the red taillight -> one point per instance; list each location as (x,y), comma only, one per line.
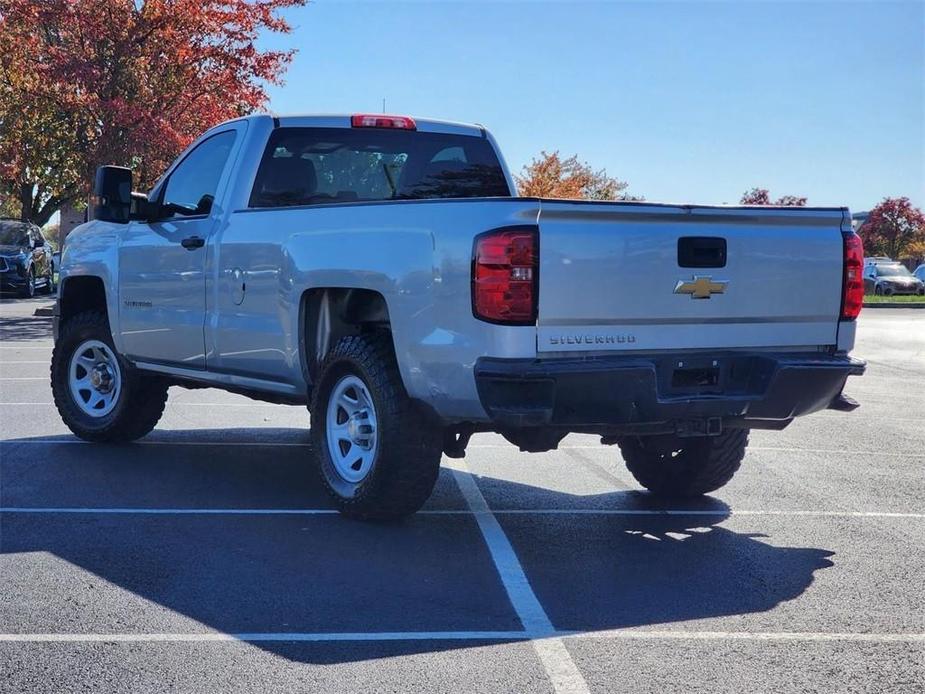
(378,120)
(853,277)
(504,276)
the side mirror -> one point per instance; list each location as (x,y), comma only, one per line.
(112,194)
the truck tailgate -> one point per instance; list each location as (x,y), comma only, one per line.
(626,277)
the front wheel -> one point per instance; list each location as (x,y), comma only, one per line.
(671,466)
(378,457)
(28,289)
(98,395)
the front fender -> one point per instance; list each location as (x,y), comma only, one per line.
(92,250)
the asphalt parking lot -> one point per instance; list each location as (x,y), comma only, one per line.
(207,558)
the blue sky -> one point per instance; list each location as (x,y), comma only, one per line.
(686,101)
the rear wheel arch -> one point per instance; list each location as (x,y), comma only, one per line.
(328,314)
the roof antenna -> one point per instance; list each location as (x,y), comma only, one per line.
(383,104)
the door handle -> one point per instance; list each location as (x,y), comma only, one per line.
(193,242)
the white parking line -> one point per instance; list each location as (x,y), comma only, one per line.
(703,512)
(272,636)
(539,638)
(180,511)
(89,510)
(275,444)
(563,673)
(170,403)
(786,449)
(838,451)
(681,635)
(597,446)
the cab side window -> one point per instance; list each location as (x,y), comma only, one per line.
(191,188)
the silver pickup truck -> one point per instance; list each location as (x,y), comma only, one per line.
(382,271)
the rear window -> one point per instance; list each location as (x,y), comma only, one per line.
(312,166)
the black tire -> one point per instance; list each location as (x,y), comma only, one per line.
(140,402)
(684,467)
(406,463)
(28,289)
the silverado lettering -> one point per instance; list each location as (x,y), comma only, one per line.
(590,339)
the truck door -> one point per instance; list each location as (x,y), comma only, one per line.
(162,298)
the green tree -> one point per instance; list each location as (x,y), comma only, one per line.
(760,196)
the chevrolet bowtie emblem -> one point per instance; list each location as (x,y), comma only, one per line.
(701,287)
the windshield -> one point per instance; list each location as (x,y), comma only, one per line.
(893,271)
(14,234)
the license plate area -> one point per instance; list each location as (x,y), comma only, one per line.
(693,376)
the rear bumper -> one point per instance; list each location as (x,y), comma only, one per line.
(657,394)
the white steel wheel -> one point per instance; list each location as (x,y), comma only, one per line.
(94,378)
(351,429)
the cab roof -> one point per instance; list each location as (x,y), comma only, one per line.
(345,120)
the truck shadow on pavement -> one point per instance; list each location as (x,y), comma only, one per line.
(25,329)
(289,572)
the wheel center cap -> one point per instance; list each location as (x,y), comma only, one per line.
(359,429)
(101,378)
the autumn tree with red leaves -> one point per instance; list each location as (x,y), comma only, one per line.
(894,228)
(550,176)
(760,196)
(130,82)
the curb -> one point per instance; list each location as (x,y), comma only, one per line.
(895,304)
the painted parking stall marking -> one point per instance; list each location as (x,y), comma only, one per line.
(562,671)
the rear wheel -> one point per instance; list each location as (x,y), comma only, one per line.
(681,467)
(378,456)
(99,396)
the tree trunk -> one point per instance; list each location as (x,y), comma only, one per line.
(34,209)
(25,199)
